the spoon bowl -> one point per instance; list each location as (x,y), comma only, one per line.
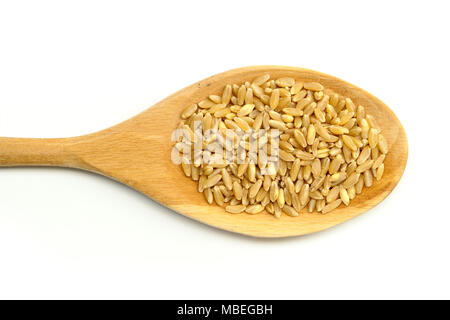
(137,152)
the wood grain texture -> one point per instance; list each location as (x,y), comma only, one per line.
(137,153)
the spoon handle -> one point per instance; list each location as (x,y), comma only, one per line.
(35,152)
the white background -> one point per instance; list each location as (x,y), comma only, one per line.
(69,68)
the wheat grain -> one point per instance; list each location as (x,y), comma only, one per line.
(261,79)
(235,208)
(208,195)
(254,189)
(351,180)
(212,180)
(331,206)
(344,196)
(368,178)
(382,144)
(254,209)
(304,194)
(365,166)
(364,155)
(313,86)
(380,171)
(290,211)
(329,148)
(218,196)
(281,198)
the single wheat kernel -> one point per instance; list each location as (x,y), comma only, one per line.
(296,88)
(364,155)
(351,167)
(335,164)
(286,156)
(365,166)
(277,211)
(311,134)
(218,196)
(333,194)
(344,196)
(246,110)
(359,185)
(275,98)
(290,211)
(227,179)
(299,183)
(368,178)
(235,208)
(269,208)
(261,80)
(351,192)
(317,183)
(320,204)
(249,96)
(254,189)
(338,130)
(338,177)
(189,111)
(331,206)
(382,144)
(378,161)
(313,86)
(311,205)
(349,142)
(285,82)
(373,137)
(254,209)
(281,198)
(261,195)
(351,180)
(208,195)
(304,194)
(237,190)
(380,171)
(296,202)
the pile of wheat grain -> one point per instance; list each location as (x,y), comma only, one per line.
(329,148)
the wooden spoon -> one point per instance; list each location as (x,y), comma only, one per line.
(137,152)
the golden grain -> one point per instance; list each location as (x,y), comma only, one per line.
(254,209)
(275,98)
(331,206)
(378,161)
(373,137)
(368,178)
(351,180)
(329,148)
(344,196)
(235,208)
(189,111)
(290,211)
(304,194)
(246,110)
(208,195)
(261,80)
(365,166)
(349,142)
(382,144)
(285,82)
(281,198)
(254,189)
(359,185)
(313,86)
(218,197)
(380,171)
